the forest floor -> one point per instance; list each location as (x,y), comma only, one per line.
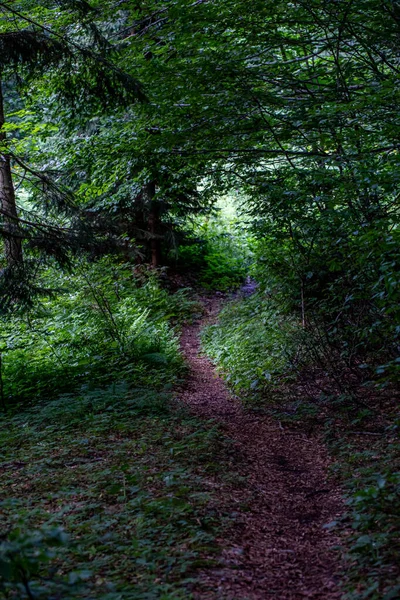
(276,495)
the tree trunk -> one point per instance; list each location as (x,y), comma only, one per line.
(12,231)
(154,225)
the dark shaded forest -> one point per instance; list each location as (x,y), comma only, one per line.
(191,188)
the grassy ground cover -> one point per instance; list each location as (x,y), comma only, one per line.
(107,321)
(101,471)
(252,343)
(101,497)
(366,453)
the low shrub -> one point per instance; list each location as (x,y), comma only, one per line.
(218,248)
(100,321)
(252,343)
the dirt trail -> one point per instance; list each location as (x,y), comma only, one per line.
(276,546)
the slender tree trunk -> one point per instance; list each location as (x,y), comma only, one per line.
(12,237)
(154,225)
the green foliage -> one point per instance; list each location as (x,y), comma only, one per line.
(23,555)
(342,279)
(101,321)
(101,493)
(218,247)
(368,465)
(252,343)
(293,103)
(116,510)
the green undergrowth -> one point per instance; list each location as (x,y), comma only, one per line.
(106,318)
(252,343)
(256,345)
(366,453)
(103,496)
(103,490)
(218,247)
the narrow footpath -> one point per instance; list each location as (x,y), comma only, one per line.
(278,500)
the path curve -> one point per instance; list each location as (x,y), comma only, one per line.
(276,546)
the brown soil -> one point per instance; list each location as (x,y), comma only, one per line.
(278,497)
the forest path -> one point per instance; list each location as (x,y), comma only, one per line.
(278,498)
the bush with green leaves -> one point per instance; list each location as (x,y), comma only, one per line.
(103,319)
(252,342)
(339,272)
(24,556)
(218,247)
(375,547)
